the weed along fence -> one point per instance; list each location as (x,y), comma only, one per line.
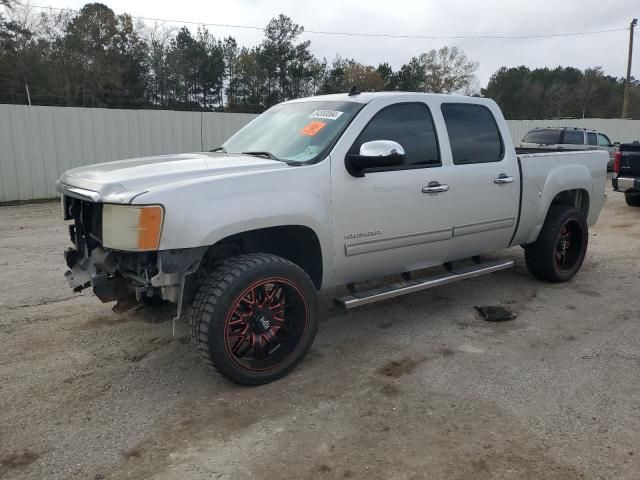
(37,144)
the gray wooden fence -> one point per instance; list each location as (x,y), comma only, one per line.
(37,144)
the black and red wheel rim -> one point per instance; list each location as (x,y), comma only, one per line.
(266,324)
(569,245)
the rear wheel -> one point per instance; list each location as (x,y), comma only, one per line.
(255,318)
(558,253)
(632,200)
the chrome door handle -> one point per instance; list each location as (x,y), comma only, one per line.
(435,187)
(502,179)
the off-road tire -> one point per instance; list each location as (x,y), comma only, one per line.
(213,307)
(632,200)
(540,255)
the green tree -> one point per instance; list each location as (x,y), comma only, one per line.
(448,70)
(562,92)
(106,58)
(284,59)
(410,78)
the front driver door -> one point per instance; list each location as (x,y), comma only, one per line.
(383,222)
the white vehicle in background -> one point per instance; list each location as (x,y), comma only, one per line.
(551,139)
(319,192)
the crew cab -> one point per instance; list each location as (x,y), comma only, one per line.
(551,139)
(626,173)
(321,192)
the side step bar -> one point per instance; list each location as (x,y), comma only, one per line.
(365,297)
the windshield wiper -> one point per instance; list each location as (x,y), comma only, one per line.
(219,149)
(263,154)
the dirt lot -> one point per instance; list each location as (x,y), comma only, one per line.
(417,387)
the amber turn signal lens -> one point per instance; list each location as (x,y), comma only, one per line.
(149,227)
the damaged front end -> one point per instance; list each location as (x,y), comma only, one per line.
(126,277)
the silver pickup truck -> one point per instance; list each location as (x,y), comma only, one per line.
(316,193)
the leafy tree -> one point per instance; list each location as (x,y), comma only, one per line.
(563,92)
(283,59)
(389,78)
(447,70)
(107,64)
(346,73)
(94,57)
(411,76)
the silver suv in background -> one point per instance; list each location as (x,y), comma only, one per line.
(567,138)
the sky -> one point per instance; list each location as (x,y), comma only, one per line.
(424,17)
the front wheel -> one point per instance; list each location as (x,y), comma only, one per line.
(255,318)
(558,253)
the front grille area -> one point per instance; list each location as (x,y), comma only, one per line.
(86,231)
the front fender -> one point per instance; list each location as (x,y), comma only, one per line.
(201,213)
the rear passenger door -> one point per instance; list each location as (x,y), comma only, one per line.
(485,184)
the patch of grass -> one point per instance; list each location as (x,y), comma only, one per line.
(15,203)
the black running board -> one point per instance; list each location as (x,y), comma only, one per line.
(373,295)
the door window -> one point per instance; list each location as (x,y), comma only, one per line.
(410,125)
(473,133)
(573,137)
(592,138)
(603,140)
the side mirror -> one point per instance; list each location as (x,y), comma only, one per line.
(375,154)
(616,144)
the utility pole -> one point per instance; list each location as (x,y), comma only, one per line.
(26,87)
(627,87)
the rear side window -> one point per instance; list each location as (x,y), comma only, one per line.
(473,133)
(592,138)
(409,124)
(573,137)
(547,136)
(603,140)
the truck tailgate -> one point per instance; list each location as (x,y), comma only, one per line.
(544,175)
(630,160)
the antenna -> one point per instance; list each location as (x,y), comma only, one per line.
(354,91)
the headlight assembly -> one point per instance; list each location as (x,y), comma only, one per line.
(132,227)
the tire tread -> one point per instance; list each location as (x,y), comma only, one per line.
(208,300)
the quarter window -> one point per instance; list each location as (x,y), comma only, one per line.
(573,137)
(473,133)
(592,138)
(410,125)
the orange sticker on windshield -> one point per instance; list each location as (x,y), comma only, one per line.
(312,128)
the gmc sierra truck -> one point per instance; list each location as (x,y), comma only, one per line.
(316,193)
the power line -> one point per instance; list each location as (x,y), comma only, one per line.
(360,34)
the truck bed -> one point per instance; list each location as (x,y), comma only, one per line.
(571,169)
(528,150)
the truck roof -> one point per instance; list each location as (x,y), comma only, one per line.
(366,97)
(564,128)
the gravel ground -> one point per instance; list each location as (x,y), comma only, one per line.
(416,387)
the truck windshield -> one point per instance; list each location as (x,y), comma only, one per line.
(295,132)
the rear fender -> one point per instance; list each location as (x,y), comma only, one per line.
(538,198)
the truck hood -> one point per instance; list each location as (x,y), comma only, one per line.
(123,180)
